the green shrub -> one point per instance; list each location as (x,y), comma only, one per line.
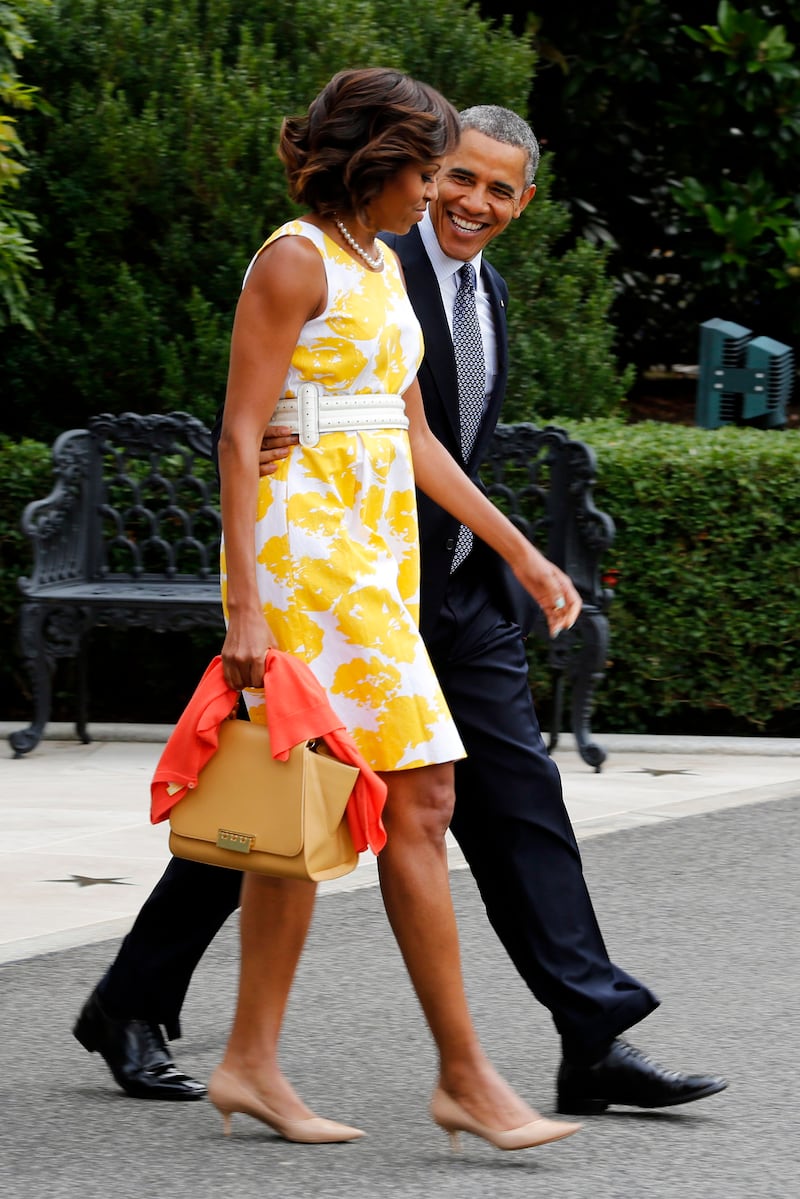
(17,254)
(704,621)
(674,129)
(25,475)
(561,342)
(705,635)
(154,178)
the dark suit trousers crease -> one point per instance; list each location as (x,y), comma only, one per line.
(514,830)
(150,975)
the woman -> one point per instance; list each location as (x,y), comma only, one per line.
(332,574)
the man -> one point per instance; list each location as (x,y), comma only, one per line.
(510,818)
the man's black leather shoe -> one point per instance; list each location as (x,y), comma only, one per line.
(136,1054)
(627,1076)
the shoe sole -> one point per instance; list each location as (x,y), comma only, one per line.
(596,1107)
(163,1096)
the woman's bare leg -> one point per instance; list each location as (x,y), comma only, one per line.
(416,892)
(275,918)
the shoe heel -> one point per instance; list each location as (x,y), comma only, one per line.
(83,1035)
(225,1114)
(455,1139)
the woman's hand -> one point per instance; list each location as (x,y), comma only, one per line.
(244,650)
(553,590)
(277,442)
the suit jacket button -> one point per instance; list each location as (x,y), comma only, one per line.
(450,544)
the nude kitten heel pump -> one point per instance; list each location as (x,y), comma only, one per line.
(229,1095)
(452,1117)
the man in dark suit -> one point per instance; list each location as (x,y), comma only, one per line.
(510,819)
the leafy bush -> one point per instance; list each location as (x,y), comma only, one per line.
(561,359)
(17,254)
(155,178)
(704,628)
(25,475)
(674,130)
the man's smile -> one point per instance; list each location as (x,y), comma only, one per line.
(465,225)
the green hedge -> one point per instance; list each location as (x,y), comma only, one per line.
(705,620)
(25,475)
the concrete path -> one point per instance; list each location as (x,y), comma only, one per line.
(704,909)
(78,855)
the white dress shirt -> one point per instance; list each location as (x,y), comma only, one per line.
(446,270)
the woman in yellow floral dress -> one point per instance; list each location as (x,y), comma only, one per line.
(321,559)
(336,530)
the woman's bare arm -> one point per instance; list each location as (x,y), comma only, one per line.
(285,288)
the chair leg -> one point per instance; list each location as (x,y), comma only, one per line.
(39,666)
(48,632)
(82,692)
(587,669)
(557,710)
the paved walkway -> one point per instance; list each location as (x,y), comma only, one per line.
(78,856)
(703,910)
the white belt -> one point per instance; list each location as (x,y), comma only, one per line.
(314,411)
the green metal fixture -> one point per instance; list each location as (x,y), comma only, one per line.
(744,380)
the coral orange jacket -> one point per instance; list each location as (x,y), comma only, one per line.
(298,710)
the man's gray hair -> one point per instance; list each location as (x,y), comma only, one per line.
(504,126)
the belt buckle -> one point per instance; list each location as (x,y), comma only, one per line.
(308,397)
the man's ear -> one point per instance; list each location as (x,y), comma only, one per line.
(525,200)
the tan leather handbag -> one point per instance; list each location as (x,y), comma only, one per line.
(251,812)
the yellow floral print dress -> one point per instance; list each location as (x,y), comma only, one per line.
(336,528)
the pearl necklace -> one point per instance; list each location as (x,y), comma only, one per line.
(375,262)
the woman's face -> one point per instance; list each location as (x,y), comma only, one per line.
(405,197)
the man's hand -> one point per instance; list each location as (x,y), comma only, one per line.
(553,590)
(274,447)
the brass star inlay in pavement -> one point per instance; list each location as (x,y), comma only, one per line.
(658,773)
(85,880)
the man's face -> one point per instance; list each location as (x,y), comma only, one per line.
(481,189)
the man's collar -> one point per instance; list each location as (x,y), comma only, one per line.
(444,266)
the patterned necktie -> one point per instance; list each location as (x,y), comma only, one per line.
(471,372)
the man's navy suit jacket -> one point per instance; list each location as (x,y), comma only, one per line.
(439,384)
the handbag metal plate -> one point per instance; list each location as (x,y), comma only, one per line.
(238,842)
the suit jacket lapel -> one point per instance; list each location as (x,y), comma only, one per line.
(495,403)
(439,364)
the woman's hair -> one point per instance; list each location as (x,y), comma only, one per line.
(363,127)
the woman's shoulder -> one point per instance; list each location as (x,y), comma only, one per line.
(295,242)
(298,228)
